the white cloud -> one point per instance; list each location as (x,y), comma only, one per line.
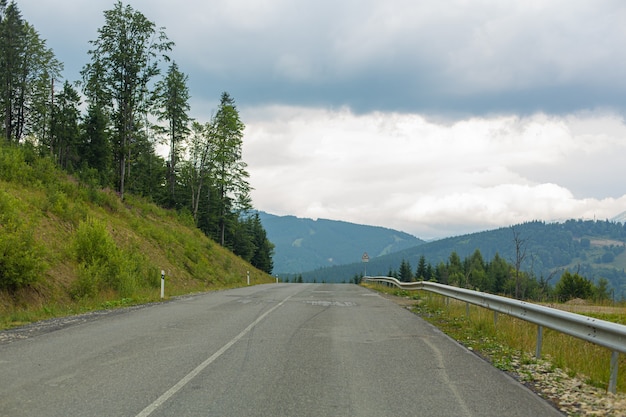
(420,176)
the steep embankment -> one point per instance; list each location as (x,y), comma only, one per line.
(66,247)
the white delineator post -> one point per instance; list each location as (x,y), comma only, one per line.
(162,283)
(248,274)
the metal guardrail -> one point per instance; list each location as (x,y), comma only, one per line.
(600,332)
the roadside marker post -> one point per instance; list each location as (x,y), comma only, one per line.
(162,283)
(248,274)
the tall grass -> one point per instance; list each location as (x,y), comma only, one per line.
(481,330)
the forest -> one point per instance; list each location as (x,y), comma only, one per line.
(533,256)
(497,276)
(104,129)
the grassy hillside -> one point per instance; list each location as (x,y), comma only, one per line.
(66,247)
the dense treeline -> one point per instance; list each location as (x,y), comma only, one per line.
(105,128)
(500,277)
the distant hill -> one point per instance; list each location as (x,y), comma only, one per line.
(620,218)
(593,248)
(306,244)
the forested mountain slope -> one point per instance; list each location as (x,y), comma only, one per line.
(305,244)
(593,248)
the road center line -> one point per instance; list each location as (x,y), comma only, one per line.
(191,375)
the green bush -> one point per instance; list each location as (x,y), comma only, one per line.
(66,207)
(45,171)
(88,283)
(93,244)
(21,262)
(12,165)
(102,265)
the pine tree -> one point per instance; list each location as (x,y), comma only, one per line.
(27,69)
(95,144)
(65,130)
(171,100)
(229,175)
(420,274)
(12,46)
(406,274)
(264,249)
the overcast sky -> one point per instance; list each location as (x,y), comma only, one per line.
(435,118)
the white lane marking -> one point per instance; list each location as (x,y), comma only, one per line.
(191,375)
(330,303)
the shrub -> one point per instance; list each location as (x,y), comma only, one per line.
(12,165)
(93,244)
(102,265)
(21,263)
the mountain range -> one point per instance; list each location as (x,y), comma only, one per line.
(305,244)
(331,251)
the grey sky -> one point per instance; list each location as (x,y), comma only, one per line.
(433,117)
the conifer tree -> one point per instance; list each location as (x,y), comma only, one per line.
(171,100)
(405,272)
(229,171)
(65,131)
(27,71)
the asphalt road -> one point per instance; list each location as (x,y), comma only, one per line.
(270,350)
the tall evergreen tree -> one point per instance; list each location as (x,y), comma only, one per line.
(264,249)
(12,46)
(420,274)
(230,175)
(65,130)
(171,100)
(455,269)
(27,69)
(40,71)
(405,272)
(124,59)
(95,144)
(499,272)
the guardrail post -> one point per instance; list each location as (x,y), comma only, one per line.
(613,379)
(467,310)
(495,318)
(539,341)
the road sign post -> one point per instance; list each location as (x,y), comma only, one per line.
(365,259)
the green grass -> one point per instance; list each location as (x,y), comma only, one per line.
(510,337)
